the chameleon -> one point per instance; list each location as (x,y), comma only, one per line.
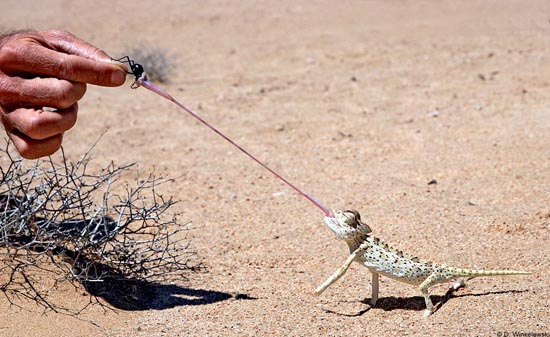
(381,259)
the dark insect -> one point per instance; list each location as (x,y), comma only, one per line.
(136,69)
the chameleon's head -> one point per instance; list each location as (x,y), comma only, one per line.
(347,225)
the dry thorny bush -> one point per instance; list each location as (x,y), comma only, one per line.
(158,63)
(61,224)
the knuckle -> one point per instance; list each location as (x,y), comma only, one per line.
(35,127)
(30,152)
(26,151)
(25,148)
(9,53)
(65,95)
(39,127)
(70,117)
(40,149)
(79,90)
(6,88)
(54,143)
(63,67)
(58,33)
(99,77)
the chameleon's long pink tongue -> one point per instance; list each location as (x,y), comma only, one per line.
(159,91)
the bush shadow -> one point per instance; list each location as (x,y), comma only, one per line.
(137,295)
(132,294)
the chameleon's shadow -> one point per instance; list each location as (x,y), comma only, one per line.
(417,303)
(132,295)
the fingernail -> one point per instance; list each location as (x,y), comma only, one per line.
(118,77)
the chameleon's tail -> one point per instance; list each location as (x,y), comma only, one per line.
(459,272)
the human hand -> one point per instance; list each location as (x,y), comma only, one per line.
(42,76)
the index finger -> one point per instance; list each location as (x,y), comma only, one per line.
(62,55)
(66,42)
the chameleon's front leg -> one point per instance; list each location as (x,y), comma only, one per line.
(340,271)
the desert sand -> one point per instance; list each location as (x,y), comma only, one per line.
(362,104)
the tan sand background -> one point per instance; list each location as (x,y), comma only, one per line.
(362,103)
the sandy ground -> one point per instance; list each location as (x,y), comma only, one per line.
(362,104)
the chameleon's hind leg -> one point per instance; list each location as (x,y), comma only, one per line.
(459,283)
(424,288)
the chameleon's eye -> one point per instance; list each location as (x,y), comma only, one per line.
(352,218)
(352,214)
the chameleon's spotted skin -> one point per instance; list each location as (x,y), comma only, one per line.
(381,259)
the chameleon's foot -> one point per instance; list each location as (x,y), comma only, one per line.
(427,313)
(459,283)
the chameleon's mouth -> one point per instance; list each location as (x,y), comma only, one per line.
(334,225)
